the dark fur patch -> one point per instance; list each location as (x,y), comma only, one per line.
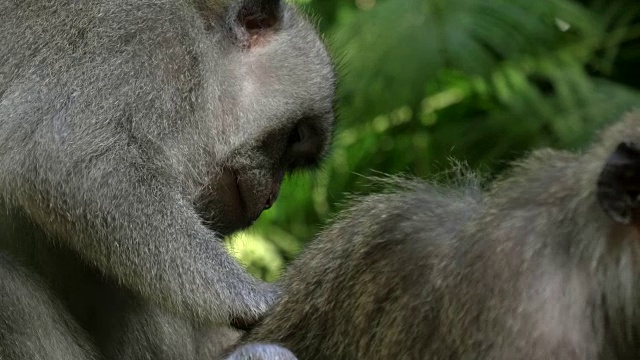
(619,184)
(255,20)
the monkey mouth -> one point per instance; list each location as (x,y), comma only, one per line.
(239,205)
(235,200)
(251,201)
(239,197)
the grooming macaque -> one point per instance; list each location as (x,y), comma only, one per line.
(544,265)
(134,135)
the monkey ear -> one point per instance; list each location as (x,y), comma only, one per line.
(619,184)
(253,21)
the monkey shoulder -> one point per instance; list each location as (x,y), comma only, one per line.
(417,220)
(415,209)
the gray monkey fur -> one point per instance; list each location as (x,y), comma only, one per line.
(542,265)
(134,134)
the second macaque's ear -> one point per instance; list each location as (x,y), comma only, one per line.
(251,22)
(619,184)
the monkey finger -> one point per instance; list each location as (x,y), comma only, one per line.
(261,352)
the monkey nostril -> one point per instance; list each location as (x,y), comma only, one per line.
(298,135)
(304,146)
(295,137)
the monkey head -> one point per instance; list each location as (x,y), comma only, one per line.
(134,133)
(268,107)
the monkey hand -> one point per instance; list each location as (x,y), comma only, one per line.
(255,307)
(261,352)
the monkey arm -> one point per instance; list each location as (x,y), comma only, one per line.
(141,232)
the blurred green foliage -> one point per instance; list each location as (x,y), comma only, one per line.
(424,81)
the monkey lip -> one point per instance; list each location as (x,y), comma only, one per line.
(253,209)
(239,197)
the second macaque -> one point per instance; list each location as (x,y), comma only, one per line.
(543,265)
